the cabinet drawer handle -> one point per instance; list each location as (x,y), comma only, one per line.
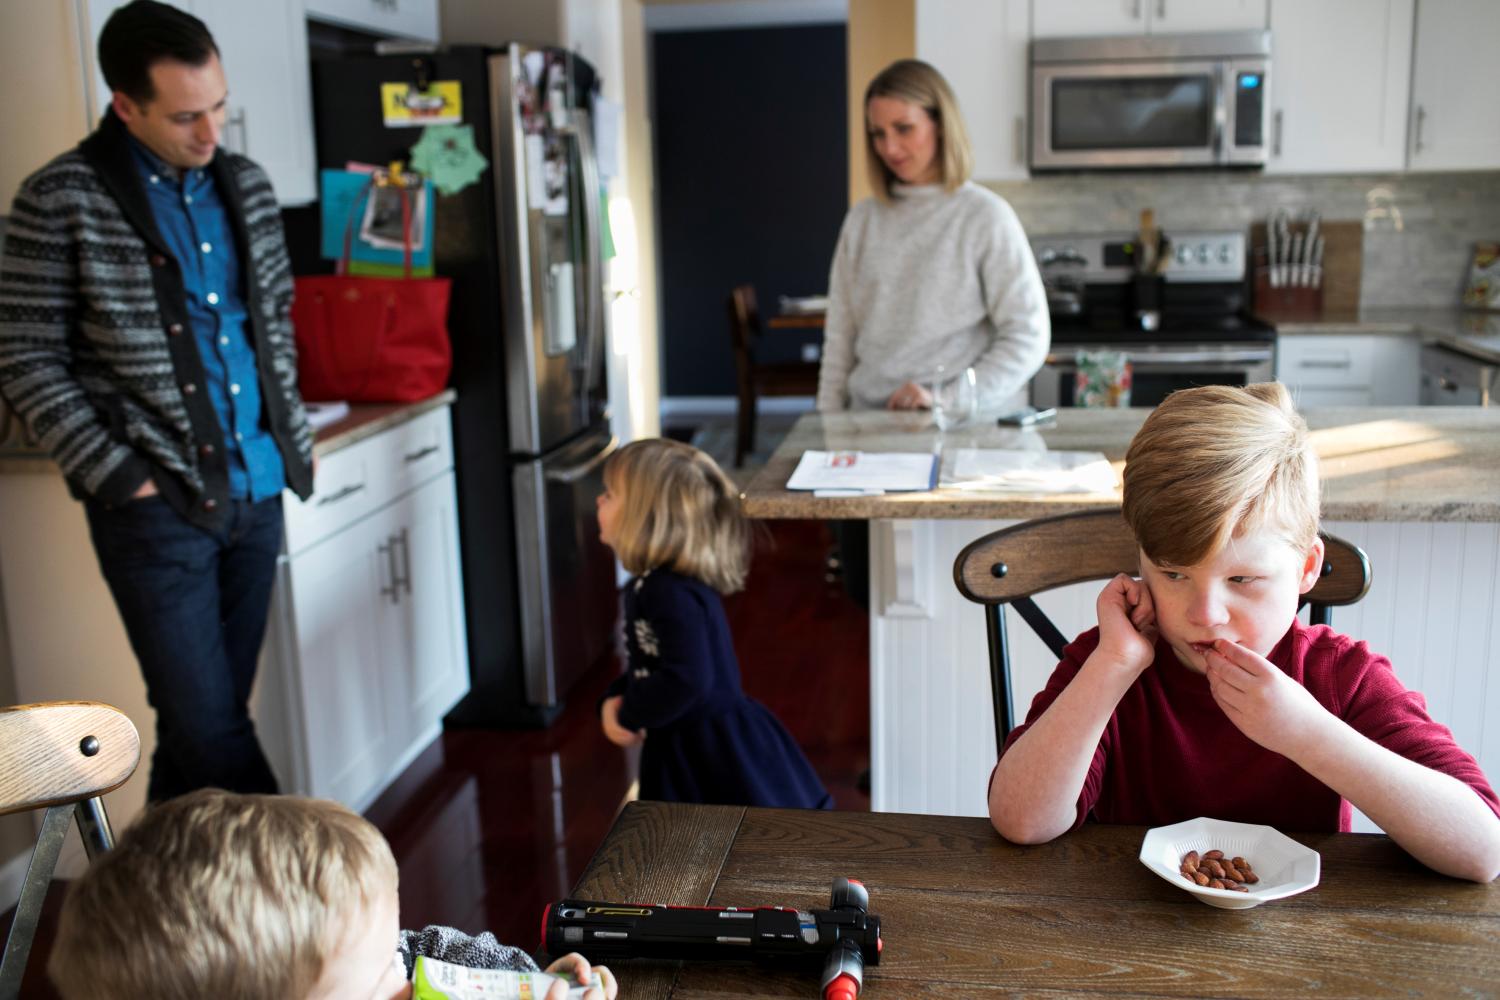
(393,589)
(417,456)
(405,540)
(347,491)
(1323,363)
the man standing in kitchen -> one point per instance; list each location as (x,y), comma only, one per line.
(146,341)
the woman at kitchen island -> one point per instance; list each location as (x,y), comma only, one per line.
(933,274)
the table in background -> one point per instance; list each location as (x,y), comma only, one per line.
(797,321)
(966,914)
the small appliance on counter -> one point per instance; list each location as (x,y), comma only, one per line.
(1204,333)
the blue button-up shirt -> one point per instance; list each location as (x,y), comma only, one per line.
(195,224)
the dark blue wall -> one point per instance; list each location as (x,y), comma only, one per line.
(752,157)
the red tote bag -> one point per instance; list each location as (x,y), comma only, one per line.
(372,340)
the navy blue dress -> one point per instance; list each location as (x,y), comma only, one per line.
(706,741)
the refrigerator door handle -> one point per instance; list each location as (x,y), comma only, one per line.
(577,472)
(593,311)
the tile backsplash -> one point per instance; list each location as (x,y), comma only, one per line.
(1419,229)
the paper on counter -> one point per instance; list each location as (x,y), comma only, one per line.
(1003,471)
(865,470)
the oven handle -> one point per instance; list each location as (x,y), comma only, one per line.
(1248,355)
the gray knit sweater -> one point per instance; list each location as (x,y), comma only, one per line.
(96,354)
(932,278)
(457,948)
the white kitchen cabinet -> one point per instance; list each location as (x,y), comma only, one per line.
(366,644)
(1339,82)
(1455,119)
(51,50)
(1350,369)
(415,19)
(1069,18)
(981,47)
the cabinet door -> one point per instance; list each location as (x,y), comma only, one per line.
(1339,80)
(1068,18)
(264,50)
(1168,17)
(1455,122)
(425,643)
(337,604)
(982,50)
(401,18)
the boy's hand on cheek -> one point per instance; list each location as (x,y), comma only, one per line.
(1264,703)
(1127,623)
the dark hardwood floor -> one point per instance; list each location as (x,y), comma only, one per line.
(490,826)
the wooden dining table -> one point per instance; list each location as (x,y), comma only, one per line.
(966,914)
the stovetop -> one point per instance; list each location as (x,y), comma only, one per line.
(1117,327)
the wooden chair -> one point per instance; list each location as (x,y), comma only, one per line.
(1010,565)
(61,757)
(754,378)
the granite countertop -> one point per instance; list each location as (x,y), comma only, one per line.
(1467,331)
(1379,464)
(363,421)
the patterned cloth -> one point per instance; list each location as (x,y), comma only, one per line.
(93,354)
(446,944)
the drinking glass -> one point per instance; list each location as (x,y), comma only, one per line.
(964,404)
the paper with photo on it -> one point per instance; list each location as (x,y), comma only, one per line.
(864,471)
(1004,471)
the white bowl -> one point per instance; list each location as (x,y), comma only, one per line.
(1285,867)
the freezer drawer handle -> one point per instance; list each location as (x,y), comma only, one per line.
(417,456)
(347,491)
(578,472)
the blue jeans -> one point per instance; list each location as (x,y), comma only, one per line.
(194,605)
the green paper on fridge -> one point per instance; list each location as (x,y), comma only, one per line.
(865,472)
(434,980)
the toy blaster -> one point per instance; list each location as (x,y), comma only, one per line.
(844,938)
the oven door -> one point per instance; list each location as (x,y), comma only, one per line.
(1128,114)
(1156,371)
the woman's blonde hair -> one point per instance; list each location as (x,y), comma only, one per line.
(1214,462)
(216,894)
(678,511)
(919,83)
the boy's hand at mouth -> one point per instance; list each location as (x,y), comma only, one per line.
(1264,703)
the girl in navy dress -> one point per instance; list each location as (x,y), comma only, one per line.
(674,520)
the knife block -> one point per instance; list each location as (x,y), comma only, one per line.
(1338,295)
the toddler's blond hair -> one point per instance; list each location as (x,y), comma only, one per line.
(215,894)
(678,511)
(1214,462)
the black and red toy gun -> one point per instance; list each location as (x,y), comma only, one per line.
(844,938)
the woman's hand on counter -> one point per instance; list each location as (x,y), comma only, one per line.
(910,396)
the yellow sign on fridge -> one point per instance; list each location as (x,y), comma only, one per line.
(404,106)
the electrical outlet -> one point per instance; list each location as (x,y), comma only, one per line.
(811,352)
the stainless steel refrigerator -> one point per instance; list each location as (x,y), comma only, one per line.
(531,429)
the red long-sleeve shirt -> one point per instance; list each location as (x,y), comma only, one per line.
(1168,753)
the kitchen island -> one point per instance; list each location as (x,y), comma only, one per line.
(1418,488)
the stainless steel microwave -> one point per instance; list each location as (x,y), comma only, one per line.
(1150,101)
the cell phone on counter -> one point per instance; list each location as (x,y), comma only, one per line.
(1027,417)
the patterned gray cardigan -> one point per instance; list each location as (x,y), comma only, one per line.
(96,354)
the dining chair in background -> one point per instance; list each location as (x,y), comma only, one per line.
(60,757)
(1013,564)
(756,378)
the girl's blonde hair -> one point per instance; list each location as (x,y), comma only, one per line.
(919,83)
(678,511)
(216,894)
(1214,462)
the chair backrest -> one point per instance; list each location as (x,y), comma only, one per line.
(1011,565)
(60,757)
(744,326)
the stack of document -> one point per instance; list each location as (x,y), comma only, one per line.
(856,473)
(1000,471)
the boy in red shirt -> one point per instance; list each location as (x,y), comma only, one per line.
(1201,694)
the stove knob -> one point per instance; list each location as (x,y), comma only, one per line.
(1203,256)
(1225,253)
(1184,254)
